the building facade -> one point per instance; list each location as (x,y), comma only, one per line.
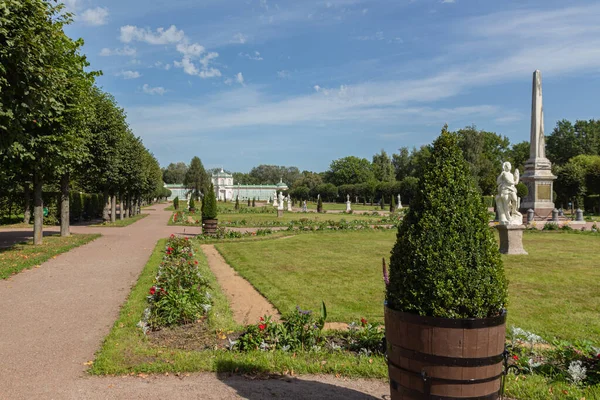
(227,190)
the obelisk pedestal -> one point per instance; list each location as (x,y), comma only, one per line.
(538,170)
(511,239)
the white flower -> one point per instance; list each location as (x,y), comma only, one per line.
(577,372)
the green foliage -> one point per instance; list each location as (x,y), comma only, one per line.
(192,204)
(383,170)
(179,294)
(254,202)
(300,330)
(196,179)
(349,170)
(76,206)
(365,337)
(522,190)
(319,205)
(174,173)
(176,203)
(237,203)
(393,204)
(446,262)
(209,204)
(327,191)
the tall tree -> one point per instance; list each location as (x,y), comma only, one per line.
(175,173)
(383,168)
(196,179)
(349,170)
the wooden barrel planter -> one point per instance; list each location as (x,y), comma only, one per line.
(442,358)
(209,226)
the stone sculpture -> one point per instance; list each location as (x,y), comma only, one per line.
(280,201)
(506,200)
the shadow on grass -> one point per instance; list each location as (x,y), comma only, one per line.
(266,385)
(8,240)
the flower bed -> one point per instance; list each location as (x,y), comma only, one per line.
(179,294)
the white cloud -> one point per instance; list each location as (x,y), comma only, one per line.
(129,74)
(239,78)
(317,88)
(256,56)
(153,90)
(209,73)
(161,65)
(190,50)
(239,38)
(377,36)
(95,16)
(187,65)
(172,35)
(125,51)
(283,74)
(228,81)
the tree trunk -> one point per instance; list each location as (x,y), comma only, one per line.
(27,208)
(139,207)
(121,208)
(105,217)
(38,210)
(113,208)
(64,205)
(129,207)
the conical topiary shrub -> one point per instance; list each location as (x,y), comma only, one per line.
(209,204)
(445,323)
(446,262)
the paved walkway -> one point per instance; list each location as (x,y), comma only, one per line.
(54,318)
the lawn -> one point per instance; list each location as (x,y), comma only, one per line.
(25,255)
(120,223)
(557,282)
(126,349)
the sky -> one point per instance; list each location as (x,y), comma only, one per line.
(240,83)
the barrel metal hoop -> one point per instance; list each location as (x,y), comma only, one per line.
(461,323)
(447,361)
(426,377)
(422,396)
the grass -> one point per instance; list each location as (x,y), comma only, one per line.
(127,350)
(25,255)
(122,223)
(552,292)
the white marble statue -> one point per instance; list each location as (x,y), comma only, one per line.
(289,203)
(304,208)
(275,199)
(507,202)
(399,205)
(348,208)
(280,201)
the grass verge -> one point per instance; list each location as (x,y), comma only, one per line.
(120,223)
(126,349)
(25,255)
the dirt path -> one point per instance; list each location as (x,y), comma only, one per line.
(247,304)
(54,318)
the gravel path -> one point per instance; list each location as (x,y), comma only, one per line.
(53,319)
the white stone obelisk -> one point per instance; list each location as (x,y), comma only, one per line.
(538,170)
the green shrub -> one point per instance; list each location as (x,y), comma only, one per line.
(237,203)
(393,204)
(550,226)
(446,262)
(176,203)
(522,190)
(254,202)
(75,206)
(488,201)
(320,205)
(209,204)
(192,204)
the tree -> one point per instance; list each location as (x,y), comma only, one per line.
(272,174)
(447,218)
(401,163)
(196,179)
(349,170)
(567,140)
(518,155)
(327,191)
(175,173)
(383,170)
(42,98)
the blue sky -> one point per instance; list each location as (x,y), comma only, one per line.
(304,82)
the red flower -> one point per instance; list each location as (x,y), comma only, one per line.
(262,319)
(363,321)
(196,262)
(190,254)
(152,290)
(515,357)
(172,235)
(262,327)
(163,291)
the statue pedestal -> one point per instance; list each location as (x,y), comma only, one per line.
(279,213)
(511,239)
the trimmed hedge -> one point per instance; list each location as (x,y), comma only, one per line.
(446,262)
